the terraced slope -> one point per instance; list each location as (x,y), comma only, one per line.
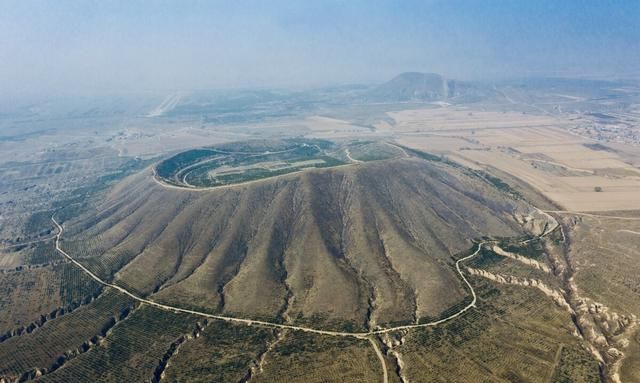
(350,247)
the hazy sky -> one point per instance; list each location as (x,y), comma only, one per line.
(76,46)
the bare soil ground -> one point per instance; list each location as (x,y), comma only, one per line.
(353,248)
(539,150)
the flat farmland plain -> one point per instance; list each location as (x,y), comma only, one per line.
(454,119)
(440,243)
(575,172)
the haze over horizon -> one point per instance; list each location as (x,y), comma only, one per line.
(320,191)
(93,47)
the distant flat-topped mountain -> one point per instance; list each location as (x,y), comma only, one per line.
(417,86)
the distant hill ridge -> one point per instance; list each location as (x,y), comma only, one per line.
(410,86)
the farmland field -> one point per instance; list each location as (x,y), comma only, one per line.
(325,236)
(216,167)
(560,165)
(320,191)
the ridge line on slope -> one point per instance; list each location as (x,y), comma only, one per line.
(249,322)
(166,185)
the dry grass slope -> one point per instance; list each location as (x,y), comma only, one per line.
(350,247)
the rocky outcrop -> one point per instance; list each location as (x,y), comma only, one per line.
(607,331)
(554,294)
(536,221)
(87,345)
(257,365)
(44,318)
(173,349)
(390,343)
(527,261)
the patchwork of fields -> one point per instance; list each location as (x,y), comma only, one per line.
(493,241)
(572,171)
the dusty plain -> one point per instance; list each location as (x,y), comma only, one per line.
(348,273)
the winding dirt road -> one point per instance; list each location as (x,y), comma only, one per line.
(249,322)
(358,335)
(348,154)
(27,243)
(592,215)
(629,231)
(376,348)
